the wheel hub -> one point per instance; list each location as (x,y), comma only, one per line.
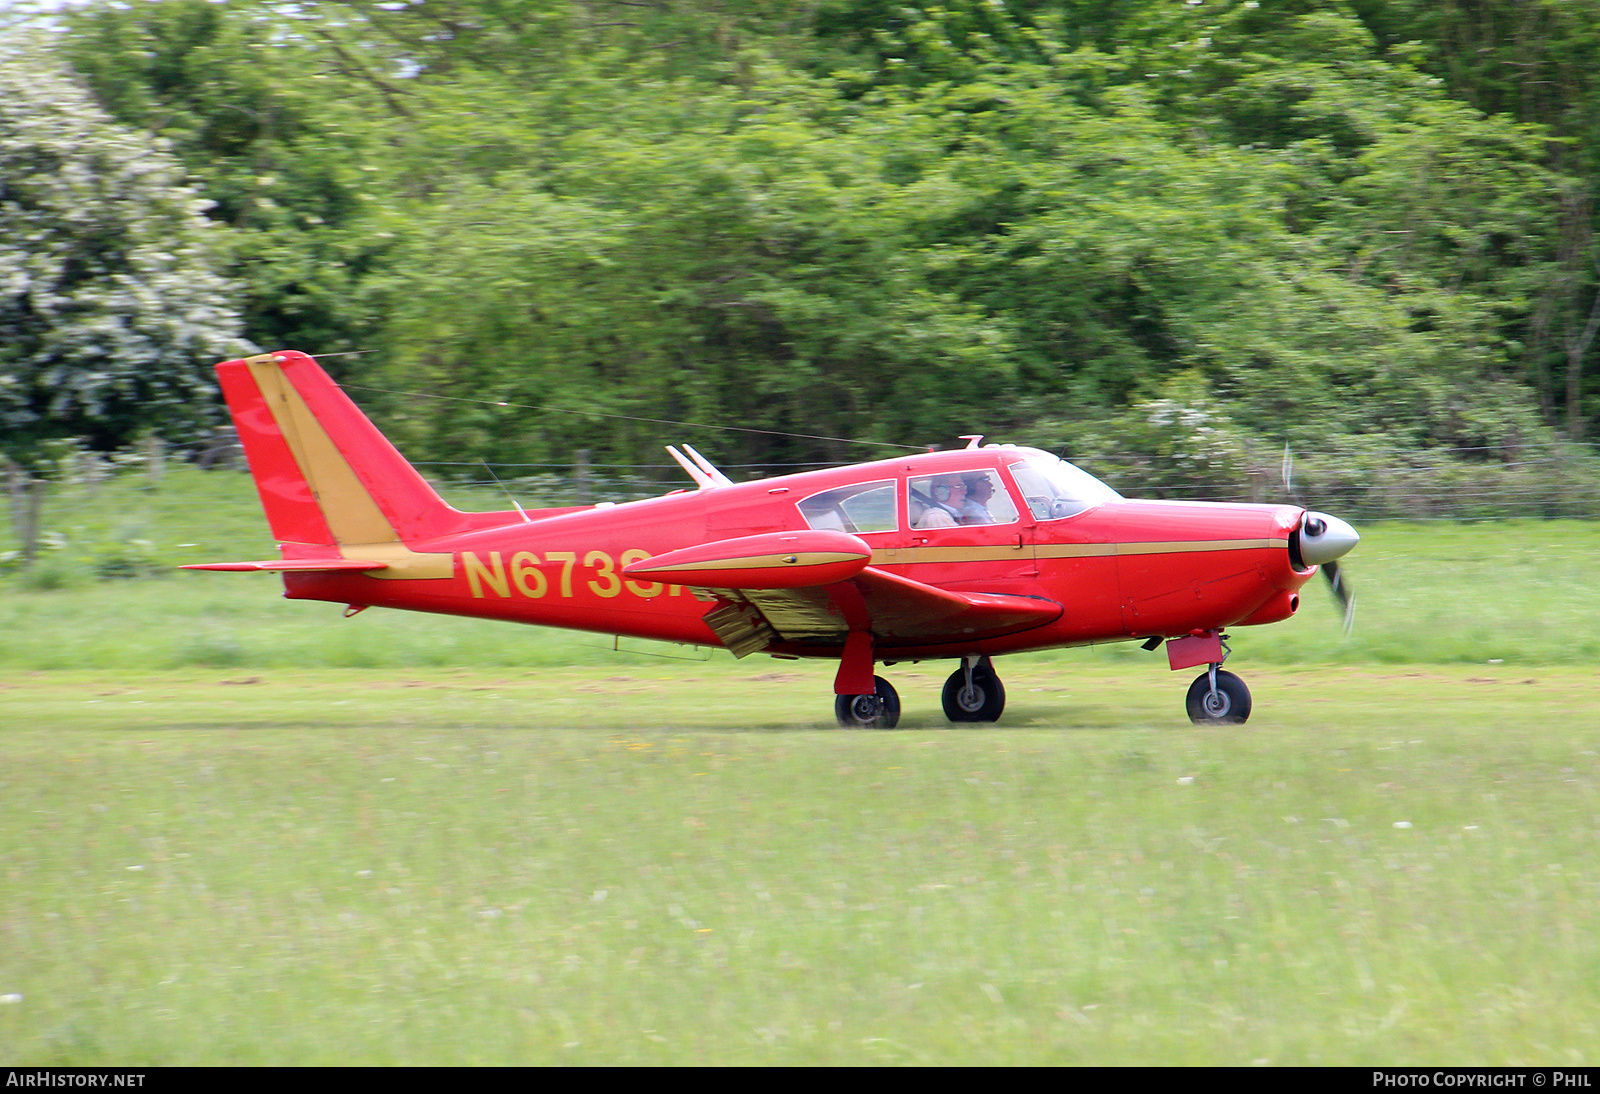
(866,707)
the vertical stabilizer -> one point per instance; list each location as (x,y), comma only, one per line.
(325,474)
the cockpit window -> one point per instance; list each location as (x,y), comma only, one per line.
(959,498)
(860,507)
(1055,488)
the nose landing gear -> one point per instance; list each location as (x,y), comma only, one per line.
(1218,698)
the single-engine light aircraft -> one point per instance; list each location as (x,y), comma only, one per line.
(963,554)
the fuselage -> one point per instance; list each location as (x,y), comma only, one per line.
(1119,568)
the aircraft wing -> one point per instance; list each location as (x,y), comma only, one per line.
(815,587)
(895,610)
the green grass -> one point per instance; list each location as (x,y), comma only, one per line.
(478,843)
(557,866)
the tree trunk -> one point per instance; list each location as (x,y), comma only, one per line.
(1577,349)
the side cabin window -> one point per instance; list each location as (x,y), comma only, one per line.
(859,507)
(958,499)
(1055,488)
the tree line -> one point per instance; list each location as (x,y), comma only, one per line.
(1171,239)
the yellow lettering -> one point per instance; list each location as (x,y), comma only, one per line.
(494,574)
(525,564)
(568,560)
(529,578)
(610,584)
(640,588)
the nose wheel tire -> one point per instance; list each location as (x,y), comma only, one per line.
(981,702)
(880,710)
(1229,706)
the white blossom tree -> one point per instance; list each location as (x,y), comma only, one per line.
(111,312)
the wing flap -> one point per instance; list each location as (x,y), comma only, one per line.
(896,610)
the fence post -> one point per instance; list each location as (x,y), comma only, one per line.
(155,459)
(27,498)
(580,475)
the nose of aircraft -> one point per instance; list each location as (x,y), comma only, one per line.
(1324,539)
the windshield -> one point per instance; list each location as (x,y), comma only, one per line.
(1055,488)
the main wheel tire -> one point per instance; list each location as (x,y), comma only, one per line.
(880,710)
(1230,706)
(982,702)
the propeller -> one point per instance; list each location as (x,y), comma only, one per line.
(1322,540)
(1342,593)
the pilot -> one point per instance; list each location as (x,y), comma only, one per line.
(975,509)
(949,494)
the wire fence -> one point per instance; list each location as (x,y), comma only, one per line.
(1539,481)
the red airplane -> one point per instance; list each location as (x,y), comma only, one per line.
(963,554)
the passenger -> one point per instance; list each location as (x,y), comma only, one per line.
(975,509)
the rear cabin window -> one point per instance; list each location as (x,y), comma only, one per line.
(860,507)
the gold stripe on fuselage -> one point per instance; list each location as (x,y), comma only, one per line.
(900,556)
(759,562)
(1173,547)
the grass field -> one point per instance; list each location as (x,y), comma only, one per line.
(485,844)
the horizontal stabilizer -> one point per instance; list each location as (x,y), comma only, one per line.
(296,565)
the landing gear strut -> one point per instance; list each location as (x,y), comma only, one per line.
(974,693)
(880,710)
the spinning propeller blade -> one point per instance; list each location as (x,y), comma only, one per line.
(1342,593)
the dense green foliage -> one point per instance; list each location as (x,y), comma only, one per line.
(109,301)
(1362,228)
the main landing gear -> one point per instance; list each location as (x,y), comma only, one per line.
(974,693)
(880,710)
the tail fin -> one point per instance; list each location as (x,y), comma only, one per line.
(325,474)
